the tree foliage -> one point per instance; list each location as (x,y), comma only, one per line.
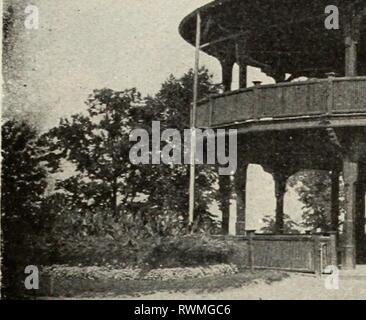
(314,190)
(290,226)
(23,177)
(171,106)
(97,144)
(23,183)
(104,181)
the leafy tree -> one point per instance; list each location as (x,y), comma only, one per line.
(23,180)
(314,189)
(105,181)
(171,106)
(22,175)
(97,144)
(290,227)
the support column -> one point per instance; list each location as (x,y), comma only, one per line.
(224,203)
(280,180)
(350,176)
(240,48)
(279,77)
(360,222)
(335,202)
(243,73)
(351,38)
(240,182)
(351,57)
(227,65)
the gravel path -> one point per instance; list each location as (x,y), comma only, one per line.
(296,287)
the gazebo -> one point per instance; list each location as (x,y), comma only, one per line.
(314,124)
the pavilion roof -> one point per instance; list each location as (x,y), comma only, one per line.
(289,34)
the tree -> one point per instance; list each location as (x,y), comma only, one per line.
(290,227)
(97,144)
(23,177)
(314,189)
(23,183)
(168,189)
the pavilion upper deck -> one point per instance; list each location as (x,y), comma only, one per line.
(287,105)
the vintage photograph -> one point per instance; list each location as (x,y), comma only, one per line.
(183,150)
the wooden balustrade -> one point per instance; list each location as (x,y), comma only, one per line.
(285,100)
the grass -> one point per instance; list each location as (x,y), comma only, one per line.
(135,288)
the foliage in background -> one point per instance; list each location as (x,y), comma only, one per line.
(314,190)
(105,183)
(290,226)
(168,187)
(97,144)
(23,183)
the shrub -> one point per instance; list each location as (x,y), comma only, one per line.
(88,251)
(147,253)
(190,251)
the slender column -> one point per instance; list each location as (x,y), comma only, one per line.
(224,203)
(240,48)
(351,57)
(335,201)
(360,221)
(351,34)
(280,180)
(279,77)
(240,182)
(350,176)
(227,65)
(243,73)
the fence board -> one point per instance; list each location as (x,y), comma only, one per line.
(301,253)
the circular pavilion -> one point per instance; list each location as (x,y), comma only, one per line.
(292,125)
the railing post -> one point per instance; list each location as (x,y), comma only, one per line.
(251,234)
(330,98)
(240,182)
(317,254)
(257,102)
(51,285)
(280,179)
(333,248)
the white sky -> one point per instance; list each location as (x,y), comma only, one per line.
(90,44)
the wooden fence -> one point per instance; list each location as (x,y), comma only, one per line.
(301,253)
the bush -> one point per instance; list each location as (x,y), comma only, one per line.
(149,253)
(88,251)
(190,251)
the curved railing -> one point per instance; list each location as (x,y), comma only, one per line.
(331,96)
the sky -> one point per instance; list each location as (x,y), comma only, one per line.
(91,44)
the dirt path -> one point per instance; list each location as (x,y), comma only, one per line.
(299,287)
